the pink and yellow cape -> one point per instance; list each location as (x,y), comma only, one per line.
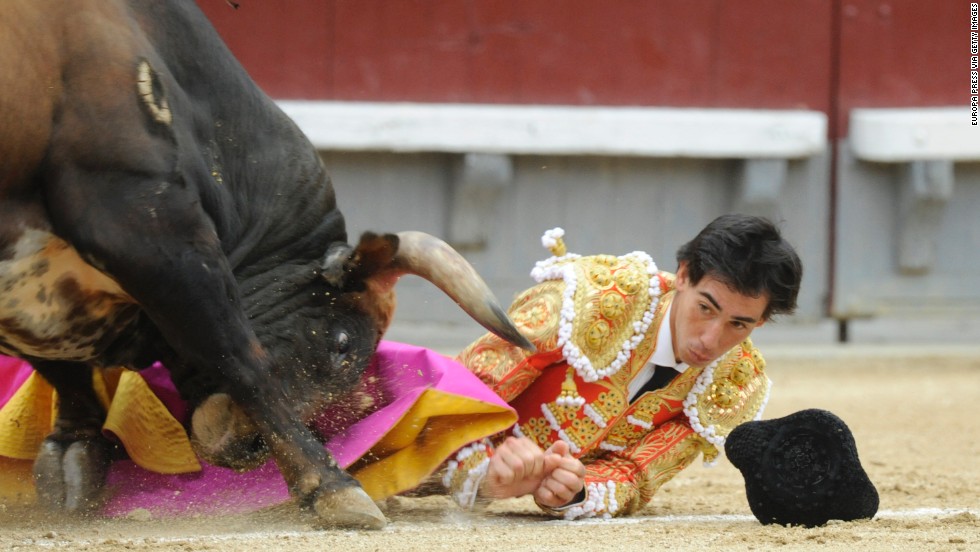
(428,406)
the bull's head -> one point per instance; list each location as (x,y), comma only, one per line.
(330,338)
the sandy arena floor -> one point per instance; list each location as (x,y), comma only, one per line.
(914,417)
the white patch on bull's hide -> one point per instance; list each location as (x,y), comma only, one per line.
(146,80)
(52,303)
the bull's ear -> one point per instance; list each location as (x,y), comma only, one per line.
(335,263)
(347,268)
(367,276)
(373,257)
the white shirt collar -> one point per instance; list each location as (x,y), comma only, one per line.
(663,355)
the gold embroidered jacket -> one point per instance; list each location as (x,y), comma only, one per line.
(595,322)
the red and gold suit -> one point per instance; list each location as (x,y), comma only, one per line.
(595,322)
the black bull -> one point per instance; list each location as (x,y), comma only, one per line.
(156,205)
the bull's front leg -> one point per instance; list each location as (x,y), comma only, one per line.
(163,250)
(310,471)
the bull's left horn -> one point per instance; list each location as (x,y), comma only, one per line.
(435,260)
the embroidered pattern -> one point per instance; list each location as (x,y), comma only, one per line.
(536,429)
(639,422)
(596,418)
(559,268)
(674,448)
(690,408)
(569,392)
(556,427)
(600,500)
(466,471)
(728,392)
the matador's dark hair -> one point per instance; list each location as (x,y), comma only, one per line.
(750,256)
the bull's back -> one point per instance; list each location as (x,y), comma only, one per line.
(53,304)
(65,74)
(30,83)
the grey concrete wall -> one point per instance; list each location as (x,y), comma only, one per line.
(611,205)
(873,211)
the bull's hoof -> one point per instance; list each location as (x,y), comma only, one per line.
(349,507)
(70,477)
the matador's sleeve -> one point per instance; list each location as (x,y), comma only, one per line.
(506,368)
(622,482)
(465,471)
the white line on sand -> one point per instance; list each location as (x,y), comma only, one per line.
(882,514)
(468,523)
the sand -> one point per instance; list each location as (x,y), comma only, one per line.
(914,417)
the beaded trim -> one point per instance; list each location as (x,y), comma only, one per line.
(691,410)
(638,422)
(552,239)
(600,500)
(596,418)
(467,493)
(557,268)
(556,427)
(575,402)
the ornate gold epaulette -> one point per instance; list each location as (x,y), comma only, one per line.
(608,305)
(731,391)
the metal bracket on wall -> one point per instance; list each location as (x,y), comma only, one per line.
(925,189)
(760,182)
(477,183)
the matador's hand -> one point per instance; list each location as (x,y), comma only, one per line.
(516,468)
(565,477)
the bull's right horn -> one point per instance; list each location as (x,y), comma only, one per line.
(435,260)
(430,258)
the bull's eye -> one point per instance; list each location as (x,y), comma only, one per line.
(343,343)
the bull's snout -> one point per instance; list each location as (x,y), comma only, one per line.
(223,435)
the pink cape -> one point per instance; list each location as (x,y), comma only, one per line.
(401,373)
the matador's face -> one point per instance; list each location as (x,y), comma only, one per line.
(708,319)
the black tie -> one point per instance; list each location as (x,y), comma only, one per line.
(662,375)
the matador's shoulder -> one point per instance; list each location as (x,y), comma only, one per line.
(735,390)
(591,311)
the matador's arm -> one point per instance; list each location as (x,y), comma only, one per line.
(622,482)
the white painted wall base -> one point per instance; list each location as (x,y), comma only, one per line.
(560,130)
(914,134)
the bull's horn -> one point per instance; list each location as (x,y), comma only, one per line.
(435,260)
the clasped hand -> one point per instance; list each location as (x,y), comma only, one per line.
(519,467)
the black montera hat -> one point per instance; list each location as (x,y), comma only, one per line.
(802,469)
